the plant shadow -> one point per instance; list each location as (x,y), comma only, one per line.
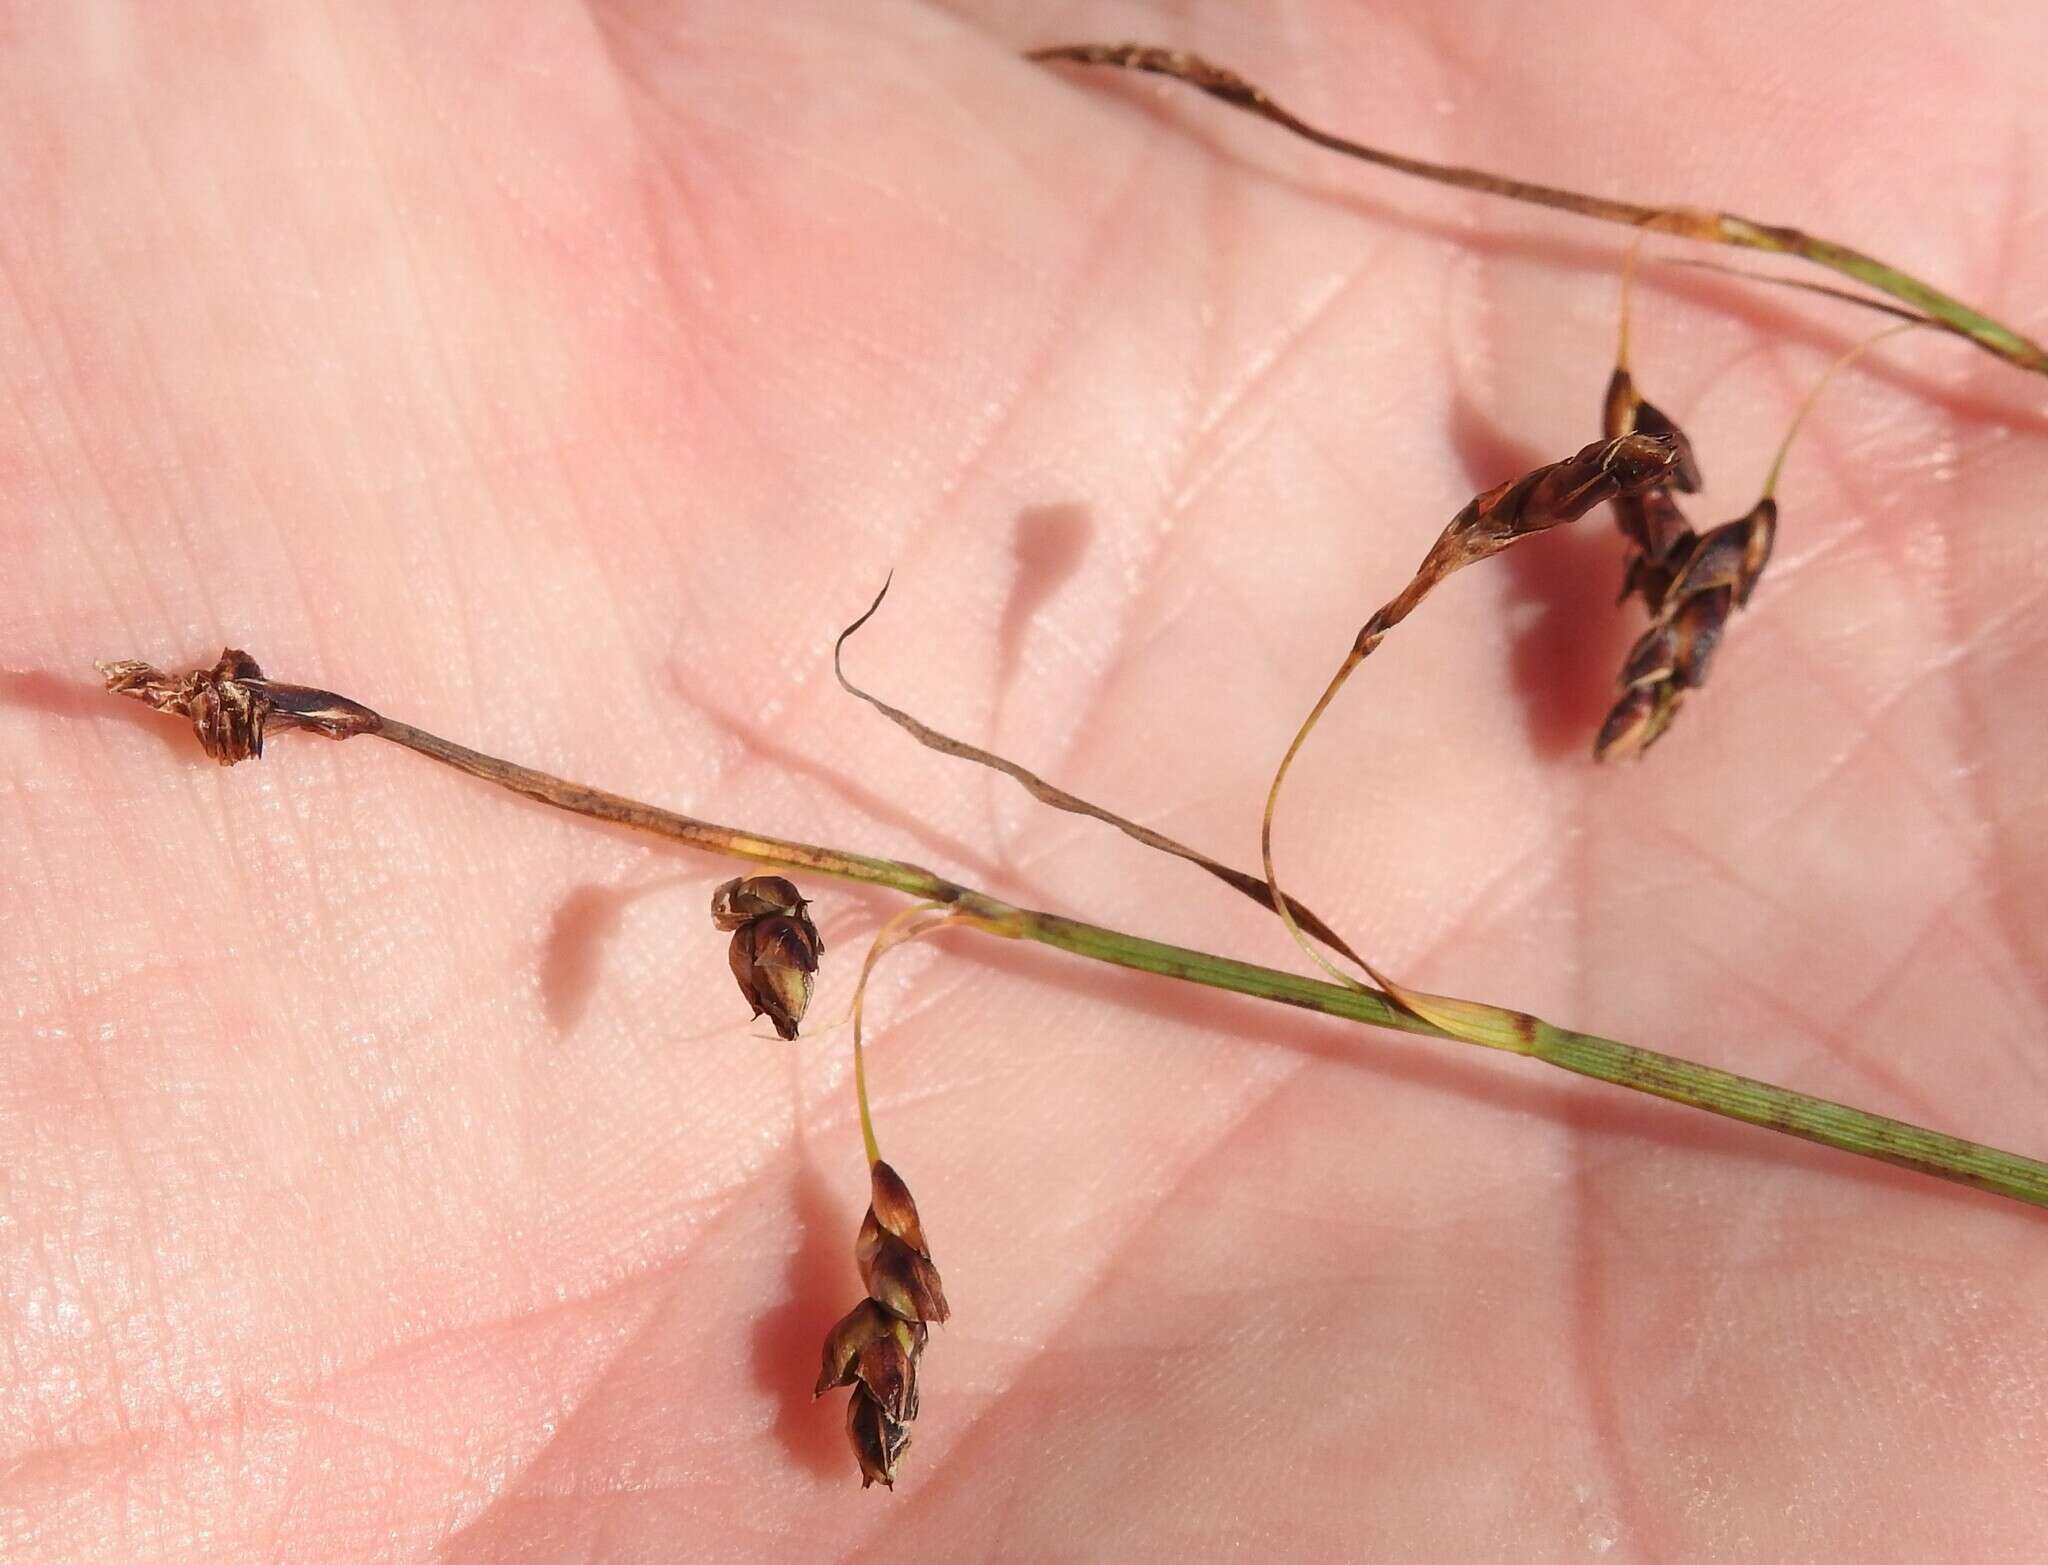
(1048,543)
(584,923)
(821,1285)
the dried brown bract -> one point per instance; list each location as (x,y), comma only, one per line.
(876,1347)
(1546,497)
(775,946)
(232,704)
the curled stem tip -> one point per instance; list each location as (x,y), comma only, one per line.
(1060,799)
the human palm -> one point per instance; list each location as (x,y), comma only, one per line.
(390,1171)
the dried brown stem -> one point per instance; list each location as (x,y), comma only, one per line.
(1710,227)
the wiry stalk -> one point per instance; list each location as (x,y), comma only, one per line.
(1684,222)
(1616,469)
(906,925)
(237,686)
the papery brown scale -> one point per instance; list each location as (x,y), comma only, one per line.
(775,961)
(1650,572)
(229,719)
(1696,631)
(868,1241)
(1666,533)
(749,897)
(1715,562)
(1638,720)
(1630,518)
(890,1201)
(843,1344)
(887,1366)
(904,1282)
(878,1349)
(1685,471)
(879,1441)
(1652,658)
(1763,533)
(910,1400)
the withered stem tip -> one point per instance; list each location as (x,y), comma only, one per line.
(231,705)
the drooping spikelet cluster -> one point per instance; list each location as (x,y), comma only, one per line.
(775,946)
(1613,468)
(876,1346)
(1690,582)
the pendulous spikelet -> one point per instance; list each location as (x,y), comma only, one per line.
(775,946)
(875,1348)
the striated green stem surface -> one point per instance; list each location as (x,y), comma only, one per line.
(1623,1065)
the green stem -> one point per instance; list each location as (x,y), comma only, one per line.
(1710,227)
(1623,1065)
(1796,1114)
(1639,1070)
(579,799)
(904,926)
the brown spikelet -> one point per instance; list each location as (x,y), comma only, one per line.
(1651,520)
(775,946)
(875,1348)
(1690,582)
(880,1350)
(1706,579)
(231,705)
